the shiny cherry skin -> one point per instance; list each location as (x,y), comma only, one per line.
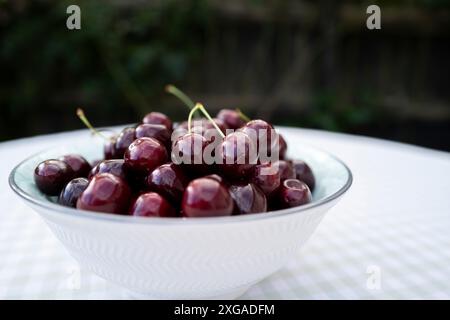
(105,193)
(248,198)
(109,149)
(231,118)
(123,141)
(206,197)
(293,193)
(152,205)
(156,131)
(215,177)
(72,191)
(183,125)
(260,129)
(52,175)
(282,147)
(279,146)
(158,118)
(304,173)
(177,134)
(169,181)
(208,130)
(144,155)
(220,123)
(201,126)
(79,165)
(266,177)
(286,169)
(238,155)
(205,124)
(188,152)
(115,167)
(95,162)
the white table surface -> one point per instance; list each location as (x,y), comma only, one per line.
(388,238)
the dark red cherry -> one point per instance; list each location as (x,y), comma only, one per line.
(51,176)
(282,147)
(220,123)
(238,155)
(183,125)
(156,131)
(177,134)
(158,118)
(79,165)
(267,177)
(204,124)
(208,130)
(262,134)
(231,118)
(215,177)
(144,155)
(109,149)
(293,193)
(115,167)
(188,152)
(304,173)
(169,181)
(95,162)
(248,198)
(203,127)
(206,197)
(105,193)
(123,141)
(286,169)
(152,205)
(72,191)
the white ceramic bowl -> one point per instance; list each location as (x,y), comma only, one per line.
(193,258)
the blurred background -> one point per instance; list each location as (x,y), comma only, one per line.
(305,63)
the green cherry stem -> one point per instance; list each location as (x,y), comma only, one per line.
(203,110)
(170,88)
(196,107)
(242,115)
(199,106)
(81,115)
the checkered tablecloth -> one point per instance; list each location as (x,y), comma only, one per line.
(388,238)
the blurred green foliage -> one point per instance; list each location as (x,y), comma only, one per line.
(117,65)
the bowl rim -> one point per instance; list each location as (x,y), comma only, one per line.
(73,212)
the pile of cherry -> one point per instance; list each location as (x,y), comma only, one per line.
(138,178)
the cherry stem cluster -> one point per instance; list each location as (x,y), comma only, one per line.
(200,107)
